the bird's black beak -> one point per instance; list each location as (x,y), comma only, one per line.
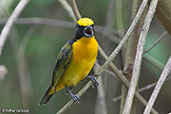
(88,31)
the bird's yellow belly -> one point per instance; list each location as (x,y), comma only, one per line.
(77,72)
(84,57)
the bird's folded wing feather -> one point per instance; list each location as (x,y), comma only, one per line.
(63,59)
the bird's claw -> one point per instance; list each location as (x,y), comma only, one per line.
(94,81)
(75,98)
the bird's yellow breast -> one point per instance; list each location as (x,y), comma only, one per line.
(84,56)
(85,48)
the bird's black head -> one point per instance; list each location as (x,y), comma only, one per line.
(84,28)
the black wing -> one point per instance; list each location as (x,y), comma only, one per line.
(63,59)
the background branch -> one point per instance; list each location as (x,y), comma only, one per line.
(138,58)
(158,87)
(131,47)
(5,31)
(124,79)
(145,88)
(75,9)
(56,23)
(156,42)
(105,35)
(112,57)
(153,61)
(126,36)
(101,107)
(68,8)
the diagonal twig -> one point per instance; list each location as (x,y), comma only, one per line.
(138,58)
(110,73)
(68,8)
(140,90)
(130,53)
(159,65)
(158,87)
(126,36)
(124,80)
(147,87)
(5,31)
(118,74)
(156,42)
(111,58)
(75,10)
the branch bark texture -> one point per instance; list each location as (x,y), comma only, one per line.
(158,87)
(138,58)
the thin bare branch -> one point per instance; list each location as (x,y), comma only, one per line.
(118,74)
(56,23)
(80,93)
(109,18)
(40,21)
(138,58)
(120,45)
(100,107)
(140,90)
(107,30)
(124,80)
(68,8)
(5,31)
(67,24)
(24,76)
(110,72)
(75,9)
(130,53)
(110,59)
(159,65)
(156,42)
(147,87)
(158,87)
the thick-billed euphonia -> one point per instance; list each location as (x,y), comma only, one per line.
(75,60)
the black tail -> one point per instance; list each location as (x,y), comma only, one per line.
(46,97)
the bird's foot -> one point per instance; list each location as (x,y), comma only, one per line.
(94,80)
(75,98)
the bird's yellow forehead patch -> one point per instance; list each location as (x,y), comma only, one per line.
(85,21)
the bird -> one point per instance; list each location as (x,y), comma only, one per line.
(74,61)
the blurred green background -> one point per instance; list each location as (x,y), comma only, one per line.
(42,44)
